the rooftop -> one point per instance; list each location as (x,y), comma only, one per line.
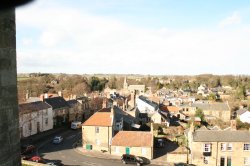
(212,106)
(146,100)
(100,118)
(56,102)
(33,106)
(221,136)
(133,139)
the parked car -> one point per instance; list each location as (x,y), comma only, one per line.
(57,139)
(27,149)
(76,125)
(131,159)
(37,159)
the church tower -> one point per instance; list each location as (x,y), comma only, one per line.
(125,84)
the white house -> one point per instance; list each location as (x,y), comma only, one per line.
(244,115)
(145,105)
(34,118)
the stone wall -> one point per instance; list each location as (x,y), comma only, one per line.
(9,122)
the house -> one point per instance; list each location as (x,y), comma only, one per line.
(216,109)
(138,143)
(85,107)
(139,89)
(219,147)
(34,118)
(60,110)
(161,118)
(122,120)
(98,130)
(75,111)
(145,109)
(243,115)
(210,109)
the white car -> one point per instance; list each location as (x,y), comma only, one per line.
(57,139)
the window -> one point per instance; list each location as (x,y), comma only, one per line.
(143,151)
(226,146)
(46,121)
(117,150)
(207,148)
(247,161)
(96,129)
(97,141)
(205,160)
(246,146)
(30,126)
(223,147)
(229,146)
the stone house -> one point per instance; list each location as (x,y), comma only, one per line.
(98,130)
(138,143)
(219,147)
(210,109)
(161,118)
(34,118)
(60,110)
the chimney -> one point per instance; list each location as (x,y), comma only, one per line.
(60,93)
(27,95)
(104,103)
(233,124)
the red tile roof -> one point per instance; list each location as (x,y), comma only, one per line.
(133,139)
(170,108)
(100,118)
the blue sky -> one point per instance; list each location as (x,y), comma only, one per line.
(134,36)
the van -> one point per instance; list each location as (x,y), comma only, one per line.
(76,125)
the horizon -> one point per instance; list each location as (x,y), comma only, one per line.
(137,37)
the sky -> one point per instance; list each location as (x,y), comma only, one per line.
(158,37)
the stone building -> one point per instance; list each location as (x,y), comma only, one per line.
(219,147)
(98,130)
(34,118)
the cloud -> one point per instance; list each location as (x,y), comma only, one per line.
(74,41)
(232,20)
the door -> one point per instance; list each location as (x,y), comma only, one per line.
(222,161)
(127,150)
(229,161)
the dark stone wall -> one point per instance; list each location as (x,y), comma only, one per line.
(9,122)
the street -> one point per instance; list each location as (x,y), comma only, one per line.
(65,153)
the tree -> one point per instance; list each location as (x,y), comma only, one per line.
(199,113)
(81,88)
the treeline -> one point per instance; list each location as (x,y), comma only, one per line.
(40,83)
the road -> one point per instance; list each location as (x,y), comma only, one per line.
(65,153)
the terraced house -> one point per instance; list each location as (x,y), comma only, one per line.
(219,147)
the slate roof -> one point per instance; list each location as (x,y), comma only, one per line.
(146,100)
(241,111)
(212,106)
(33,106)
(72,103)
(100,118)
(56,102)
(221,136)
(133,139)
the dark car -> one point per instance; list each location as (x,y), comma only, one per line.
(27,149)
(131,159)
